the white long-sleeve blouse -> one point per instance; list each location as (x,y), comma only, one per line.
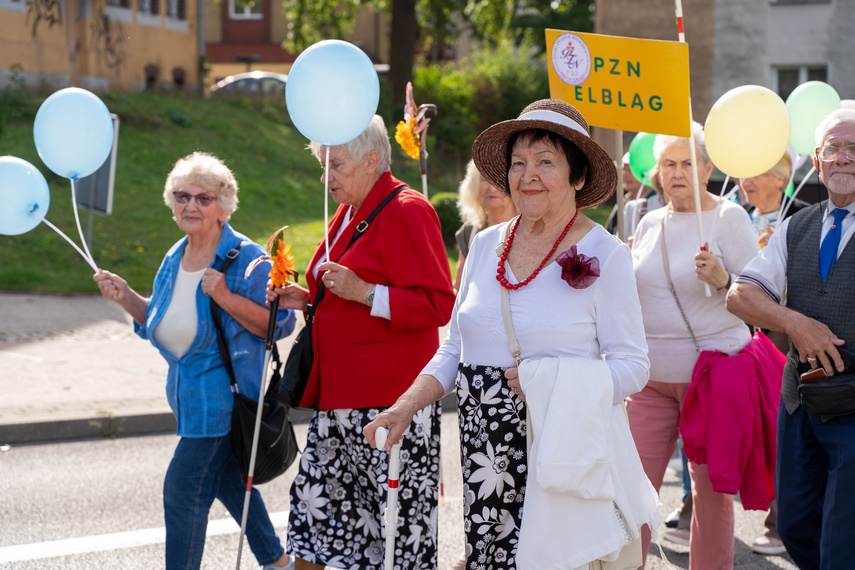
(550,317)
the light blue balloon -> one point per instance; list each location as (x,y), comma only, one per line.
(73,132)
(23,192)
(332,92)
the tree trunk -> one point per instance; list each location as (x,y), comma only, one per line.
(402,49)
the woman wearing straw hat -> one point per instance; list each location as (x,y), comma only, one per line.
(554,281)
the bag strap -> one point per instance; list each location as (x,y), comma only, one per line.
(225,356)
(506,299)
(361,228)
(674,291)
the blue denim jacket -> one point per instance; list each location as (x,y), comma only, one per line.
(197,385)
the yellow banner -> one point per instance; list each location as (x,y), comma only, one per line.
(621,83)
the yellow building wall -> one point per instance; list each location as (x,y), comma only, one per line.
(213,24)
(109,55)
(47,54)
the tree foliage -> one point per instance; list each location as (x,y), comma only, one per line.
(430,26)
(311,21)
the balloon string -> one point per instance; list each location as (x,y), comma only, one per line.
(74,245)
(88,255)
(789,202)
(327,202)
(678,8)
(718,205)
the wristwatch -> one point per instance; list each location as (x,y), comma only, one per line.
(370,299)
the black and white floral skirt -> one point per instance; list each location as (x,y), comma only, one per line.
(339,496)
(493,457)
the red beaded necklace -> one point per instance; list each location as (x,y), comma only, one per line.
(500,272)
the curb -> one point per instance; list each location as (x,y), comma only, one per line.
(87,428)
(102,427)
(119,426)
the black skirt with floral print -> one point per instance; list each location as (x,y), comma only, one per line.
(339,496)
(493,457)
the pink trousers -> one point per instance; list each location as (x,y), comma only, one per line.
(654,417)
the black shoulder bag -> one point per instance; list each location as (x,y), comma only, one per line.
(298,366)
(277,443)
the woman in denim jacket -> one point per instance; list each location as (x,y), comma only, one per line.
(201,191)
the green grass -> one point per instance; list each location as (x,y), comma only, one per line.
(278,181)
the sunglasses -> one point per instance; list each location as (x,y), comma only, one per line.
(204,200)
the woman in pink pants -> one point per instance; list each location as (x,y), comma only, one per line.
(680,321)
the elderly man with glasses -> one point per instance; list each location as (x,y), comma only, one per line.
(803,284)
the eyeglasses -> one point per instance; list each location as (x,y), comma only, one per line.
(829,152)
(204,200)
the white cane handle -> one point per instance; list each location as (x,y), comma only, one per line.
(380,437)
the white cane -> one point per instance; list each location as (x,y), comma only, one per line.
(392,498)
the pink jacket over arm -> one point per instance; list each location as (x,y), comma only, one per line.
(729,419)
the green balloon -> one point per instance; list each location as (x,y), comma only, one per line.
(808,105)
(641,158)
(789,190)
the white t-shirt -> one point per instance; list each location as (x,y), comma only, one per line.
(550,317)
(732,240)
(177,329)
(769,269)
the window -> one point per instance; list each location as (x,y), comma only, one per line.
(790,2)
(12,5)
(148,12)
(790,77)
(119,11)
(148,6)
(176,9)
(245,9)
(176,15)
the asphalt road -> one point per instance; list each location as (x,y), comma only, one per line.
(97,504)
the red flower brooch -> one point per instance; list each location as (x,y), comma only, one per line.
(578,270)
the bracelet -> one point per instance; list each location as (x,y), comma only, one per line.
(725,287)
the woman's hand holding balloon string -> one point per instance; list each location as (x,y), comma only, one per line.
(709,270)
(344,283)
(114,288)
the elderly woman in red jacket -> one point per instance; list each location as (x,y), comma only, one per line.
(375,328)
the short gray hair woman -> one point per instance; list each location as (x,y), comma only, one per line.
(673,348)
(201,192)
(386,295)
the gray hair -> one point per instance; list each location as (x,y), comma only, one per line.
(375,137)
(664,141)
(471,210)
(208,172)
(836,116)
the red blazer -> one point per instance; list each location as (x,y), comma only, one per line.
(363,361)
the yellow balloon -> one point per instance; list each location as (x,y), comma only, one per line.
(747,131)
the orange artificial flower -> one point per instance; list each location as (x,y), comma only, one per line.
(279,256)
(283,264)
(407,137)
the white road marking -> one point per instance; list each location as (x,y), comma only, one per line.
(101,542)
(22,356)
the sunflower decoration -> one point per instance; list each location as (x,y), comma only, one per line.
(280,258)
(410,133)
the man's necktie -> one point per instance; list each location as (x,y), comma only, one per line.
(828,249)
